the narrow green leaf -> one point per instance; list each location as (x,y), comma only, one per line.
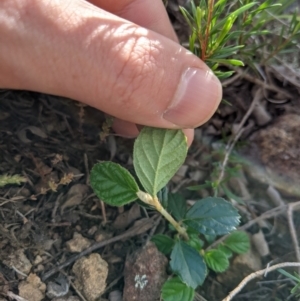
(187,263)
(231,195)
(163,243)
(216,260)
(200,187)
(175,290)
(287,274)
(228,62)
(157,155)
(212,216)
(113,184)
(177,206)
(189,19)
(225,30)
(238,242)
(242,9)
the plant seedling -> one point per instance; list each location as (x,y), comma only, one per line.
(158,154)
(220,35)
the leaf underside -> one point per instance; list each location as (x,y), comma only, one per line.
(157,155)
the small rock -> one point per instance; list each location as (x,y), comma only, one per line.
(144,274)
(276,148)
(91,273)
(19,261)
(38,259)
(115,296)
(241,266)
(102,235)
(78,243)
(92,230)
(260,243)
(58,288)
(32,288)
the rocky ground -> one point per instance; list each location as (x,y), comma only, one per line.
(59,242)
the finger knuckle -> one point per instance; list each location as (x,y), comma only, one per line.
(138,70)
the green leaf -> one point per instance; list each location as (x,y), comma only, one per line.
(212,216)
(287,274)
(187,263)
(195,242)
(163,243)
(238,242)
(157,155)
(225,250)
(228,62)
(199,187)
(14,179)
(216,260)
(175,290)
(177,206)
(113,184)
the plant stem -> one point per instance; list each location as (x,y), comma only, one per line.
(153,201)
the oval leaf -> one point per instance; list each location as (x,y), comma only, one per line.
(187,263)
(163,243)
(212,216)
(227,252)
(238,242)
(113,184)
(175,290)
(157,155)
(216,260)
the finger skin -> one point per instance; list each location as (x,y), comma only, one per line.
(77,50)
(150,14)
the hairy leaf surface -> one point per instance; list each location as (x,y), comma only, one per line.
(238,242)
(113,184)
(175,290)
(157,155)
(188,264)
(216,260)
(212,216)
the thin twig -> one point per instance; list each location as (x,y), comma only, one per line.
(139,229)
(261,83)
(19,272)
(268,214)
(231,80)
(258,274)
(78,292)
(231,143)
(15,297)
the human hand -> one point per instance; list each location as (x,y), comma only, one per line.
(121,57)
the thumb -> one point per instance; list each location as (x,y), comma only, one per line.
(127,71)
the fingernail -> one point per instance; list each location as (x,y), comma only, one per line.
(196,99)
